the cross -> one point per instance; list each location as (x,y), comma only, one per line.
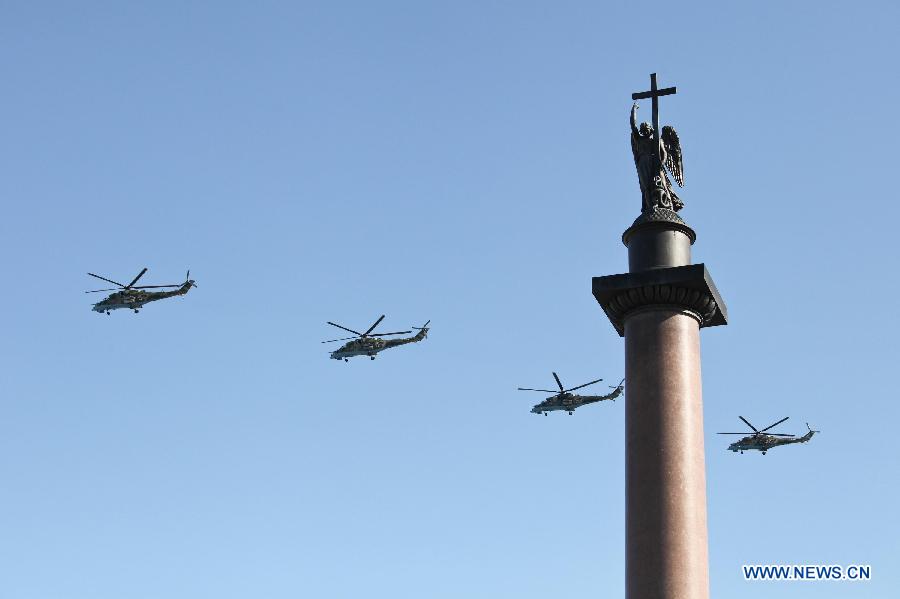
(654,93)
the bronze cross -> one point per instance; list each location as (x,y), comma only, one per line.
(654,93)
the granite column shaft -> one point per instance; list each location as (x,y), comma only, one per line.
(665,488)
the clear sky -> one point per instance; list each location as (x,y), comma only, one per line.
(464,162)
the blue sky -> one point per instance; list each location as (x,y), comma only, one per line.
(463,162)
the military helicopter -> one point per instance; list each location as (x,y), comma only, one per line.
(134,298)
(568,401)
(369,343)
(763,441)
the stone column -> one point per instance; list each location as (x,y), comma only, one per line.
(659,307)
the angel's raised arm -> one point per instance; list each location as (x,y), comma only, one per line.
(634,129)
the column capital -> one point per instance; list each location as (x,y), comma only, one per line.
(684,287)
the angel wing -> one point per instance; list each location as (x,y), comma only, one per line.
(672,145)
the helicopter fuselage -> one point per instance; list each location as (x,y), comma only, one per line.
(134,299)
(359,347)
(764,442)
(370,346)
(569,402)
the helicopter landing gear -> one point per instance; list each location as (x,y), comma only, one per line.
(136,310)
(545,413)
(764,453)
(371,357)
(346,359)
(108,313)
(742,453)
(570,413)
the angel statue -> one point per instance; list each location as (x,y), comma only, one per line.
(652,159)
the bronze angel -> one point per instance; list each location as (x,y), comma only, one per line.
(652,159)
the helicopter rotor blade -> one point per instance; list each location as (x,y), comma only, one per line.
(105,279)
(561,389)
(140,274)
(345,328)
(386,334)
(99,290)
(333,340)
(584,385)
(757,434)
(372,328)
(755,430)
(424,326)
(541,390)
(776,424)
(153,286)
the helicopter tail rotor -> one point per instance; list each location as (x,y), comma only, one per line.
(808,435)
(617,390)
(423,329)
